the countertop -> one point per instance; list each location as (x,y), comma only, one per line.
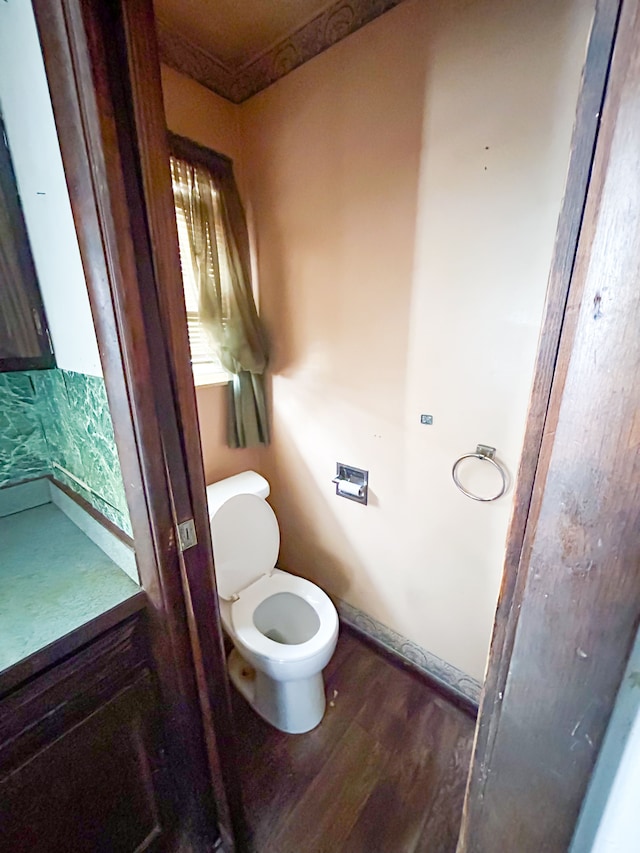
(53,580)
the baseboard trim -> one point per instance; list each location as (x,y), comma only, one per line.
(453,683)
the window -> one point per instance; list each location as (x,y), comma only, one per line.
(206,366)
(219,297)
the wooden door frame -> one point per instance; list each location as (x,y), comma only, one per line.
(85,45)
(531,481)
(583,143)
(149,148)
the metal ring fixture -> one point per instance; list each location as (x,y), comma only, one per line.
(486,454)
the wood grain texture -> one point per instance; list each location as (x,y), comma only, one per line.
(464,703)
(85,54)
(53,653)
(80,756)
(579,576)
(181,435)
(89,790)
(383,773)
(24,336)
(586,126)
(65,691)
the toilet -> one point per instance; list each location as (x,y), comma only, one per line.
(284,628)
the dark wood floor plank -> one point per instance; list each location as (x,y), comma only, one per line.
(383,773)
(442,825)
(278,768)
(324,815)
(403,792)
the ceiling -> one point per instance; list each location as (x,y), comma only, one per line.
(237,31)
(239,47)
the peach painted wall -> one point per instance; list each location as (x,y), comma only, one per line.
(404,188)
(199,114)
(202,116)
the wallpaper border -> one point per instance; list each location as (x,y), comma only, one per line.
(238,84)
(448,676)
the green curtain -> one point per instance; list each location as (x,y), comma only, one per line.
(219,245)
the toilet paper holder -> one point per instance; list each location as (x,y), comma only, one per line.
(352,483)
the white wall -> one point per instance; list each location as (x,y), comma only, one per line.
(28,117)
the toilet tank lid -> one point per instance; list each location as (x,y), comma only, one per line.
(245,483)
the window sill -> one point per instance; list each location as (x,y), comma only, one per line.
(205,375)
(211,383)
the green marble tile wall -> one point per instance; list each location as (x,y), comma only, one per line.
(55,419)
(23,450)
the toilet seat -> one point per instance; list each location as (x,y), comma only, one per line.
(246,541)
(242,610)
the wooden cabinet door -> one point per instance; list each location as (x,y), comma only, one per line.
(92,789)
(81,758)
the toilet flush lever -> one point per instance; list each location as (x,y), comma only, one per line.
(187,534)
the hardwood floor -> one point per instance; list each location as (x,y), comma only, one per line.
(384,772)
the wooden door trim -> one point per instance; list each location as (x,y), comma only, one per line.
(148,123)
(76,37)
(583,143)
(551,371)
(584,137)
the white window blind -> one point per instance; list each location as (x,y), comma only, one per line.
(207,369)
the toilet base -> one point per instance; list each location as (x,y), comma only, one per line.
(294,707)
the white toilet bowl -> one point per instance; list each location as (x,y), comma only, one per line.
(284,628)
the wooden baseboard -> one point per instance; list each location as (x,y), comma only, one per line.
(92,511)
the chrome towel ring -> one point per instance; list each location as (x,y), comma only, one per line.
(486,454)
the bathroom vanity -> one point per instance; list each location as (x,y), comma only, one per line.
(80,757)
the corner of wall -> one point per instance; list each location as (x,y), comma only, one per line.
(58,423)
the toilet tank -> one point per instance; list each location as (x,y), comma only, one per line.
(246,483)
